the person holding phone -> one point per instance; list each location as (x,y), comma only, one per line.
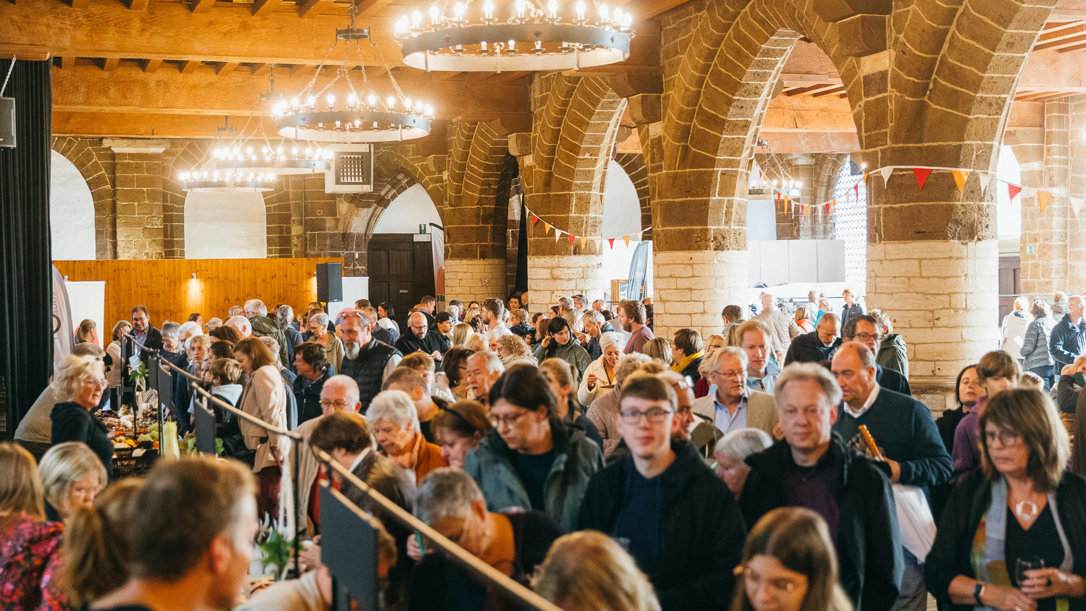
(1013,533)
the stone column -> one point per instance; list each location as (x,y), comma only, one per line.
(1043,243)
(1076,225)
(932,263)
(138,171)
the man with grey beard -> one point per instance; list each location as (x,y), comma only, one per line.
(365,359)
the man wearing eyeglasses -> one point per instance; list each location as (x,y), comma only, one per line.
(730,405)
(420,339)
(865,330)
(664,505)
(812,468)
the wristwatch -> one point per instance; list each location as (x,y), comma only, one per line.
(978,591)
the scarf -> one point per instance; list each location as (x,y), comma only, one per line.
(685,362)
(989,558)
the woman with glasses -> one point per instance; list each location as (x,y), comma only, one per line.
(599,376)
(1013,533)
(79,384)
(996,371)
(789,565)
(515,543)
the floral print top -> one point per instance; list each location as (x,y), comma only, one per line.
(29,561)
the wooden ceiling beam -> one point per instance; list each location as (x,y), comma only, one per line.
(263,7)
(136,5)
(1077,47)
(226,68)
(150,65)
(201,6)
(188,67)
(311,7)
(110,63)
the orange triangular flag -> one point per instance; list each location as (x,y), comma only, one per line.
(1044,197)
(865,178)
(808,211)
(583,242)
(572,239)
(626,239)
(960,176)
(547,225)
(1013,190)
(921,176)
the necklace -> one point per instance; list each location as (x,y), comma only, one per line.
(1020,510)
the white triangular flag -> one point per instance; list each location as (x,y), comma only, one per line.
(557,234)
(885,173)
(985,180)
(1076,204)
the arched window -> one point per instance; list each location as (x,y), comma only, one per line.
(410,209)
(225,226)
(621,217)
(71,212)
(850,224)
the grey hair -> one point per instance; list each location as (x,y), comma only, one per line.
(349,383)
(594,316)
(71,374)
(737,352)
(213,324)
(446,493)
(741,443)
(809,372)
(273,347)
(65,464)
(241,324)
(454,310)
(628,364)
(284,316)
(321,319)
(395,406)
(170,329)
(256,307)
(492,361)
(611,338)
(192,329)
(883,318)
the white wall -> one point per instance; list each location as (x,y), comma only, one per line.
(621,217)
(71,212)
(225,226)
(761,219)
(410,209)
(1008,213)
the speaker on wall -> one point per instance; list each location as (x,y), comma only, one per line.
(7,122)
(329,282)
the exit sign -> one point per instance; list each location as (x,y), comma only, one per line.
(422,227)
(1031,249)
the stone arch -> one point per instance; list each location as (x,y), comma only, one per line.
(427,170)
(179,157)
(95,165)
(634,166)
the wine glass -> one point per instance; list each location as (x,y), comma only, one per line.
(1026,563)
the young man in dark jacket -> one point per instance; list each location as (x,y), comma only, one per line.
(664,505)
(812,468)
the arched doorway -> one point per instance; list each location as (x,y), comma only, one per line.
(71,212)
(402,247)
(621,218)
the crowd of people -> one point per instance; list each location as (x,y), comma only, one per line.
(780,464)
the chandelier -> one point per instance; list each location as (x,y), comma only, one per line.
(278,159)
(229,180)
(532,37)
(357,114)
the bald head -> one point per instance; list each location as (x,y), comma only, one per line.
(829,327)
(340,394)
(417,323)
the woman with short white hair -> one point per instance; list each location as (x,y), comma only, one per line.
(395,423)
(732,451)
(78,384)
(318,332)
(599,376)
(71,476)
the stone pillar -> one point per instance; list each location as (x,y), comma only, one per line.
(1076,221)
(932,263)
(138,171)
(1043,270)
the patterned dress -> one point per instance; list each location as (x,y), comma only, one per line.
(29,561)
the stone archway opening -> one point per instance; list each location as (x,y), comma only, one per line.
(225,226)
(71,212)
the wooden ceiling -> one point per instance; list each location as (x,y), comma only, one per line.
(176,68)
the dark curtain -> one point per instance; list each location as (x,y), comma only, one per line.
(521,283)
(26,322)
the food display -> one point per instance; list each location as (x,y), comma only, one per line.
(135,440)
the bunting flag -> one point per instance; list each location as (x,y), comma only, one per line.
(535,219)
(827,207)
(1013,190)
(611,243)
(856,188)
(921,175)
(960,176)
(886,172)
(626,239)
(808,211)
(1076,204)
(584,241)
(985,180)
(865,178)
(548,226)
(572,239)
(557,235)
(1044,197)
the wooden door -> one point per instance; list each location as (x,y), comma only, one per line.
(401,272)
(1010,283)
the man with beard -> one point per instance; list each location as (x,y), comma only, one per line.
(365,359)
(420,338)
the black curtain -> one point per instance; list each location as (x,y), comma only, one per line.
(521,283)
(26,321)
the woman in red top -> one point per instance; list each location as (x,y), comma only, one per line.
(28,544)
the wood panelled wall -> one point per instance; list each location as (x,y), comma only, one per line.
(168,290)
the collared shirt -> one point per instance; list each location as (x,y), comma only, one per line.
(866,406)
(724,419)
(141,338)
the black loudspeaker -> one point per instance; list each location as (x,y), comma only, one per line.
(7,122)
(329,282)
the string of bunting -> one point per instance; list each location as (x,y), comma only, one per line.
(921,174)
(534,219)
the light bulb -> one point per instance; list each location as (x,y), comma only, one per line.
(459,9)
(372,100)
(429,110)
(512,46)
(580,10)
(331,101)
(488,9)
(407,103)
(391,102)
(435,14)
(604,12)
(416,18)
(552,8)
(521,6)
(627,20)
(311,101)
(294,102)
(616,16)
(418,106)
(293,151)
(402,25)
(352,100)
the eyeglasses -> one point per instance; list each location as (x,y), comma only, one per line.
(865,337)
(338,404)
(655,415)
(1006,438)
(729,374)
(506,420)
(780,585)
(99,382)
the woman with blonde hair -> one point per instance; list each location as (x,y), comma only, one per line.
(513,349)
(588,570)
(789,564)
(113,351)
(95,549)
(28,543)
(659,349)
(462,334)
(71,477)
(79,383)
(802,320)
(562,378)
